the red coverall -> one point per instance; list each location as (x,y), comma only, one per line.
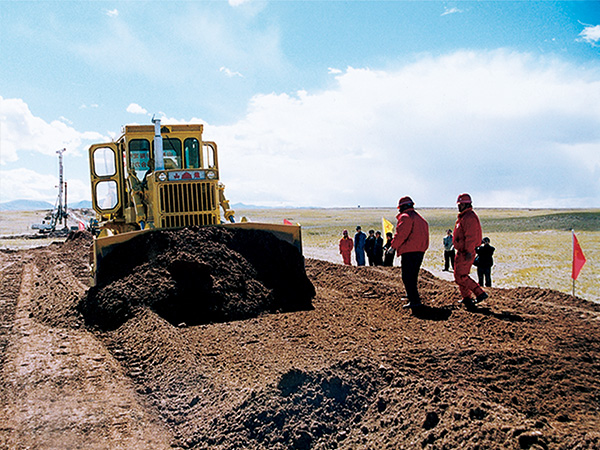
(346,246)
(467,237)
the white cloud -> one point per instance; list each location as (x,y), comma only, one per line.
(112,13)
(591,34)
(26,184)
(450,11)
(505,126)
(230,73)
(22,131)
(235,3)
(248,7)
(331,70)
(134,108)
(511,129)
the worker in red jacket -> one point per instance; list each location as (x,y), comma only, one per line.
(410,242)
(346,246)
(467,237)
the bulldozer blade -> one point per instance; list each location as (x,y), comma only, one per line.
(105,245)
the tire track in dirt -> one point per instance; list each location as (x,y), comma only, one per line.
(62,388)
(11,267)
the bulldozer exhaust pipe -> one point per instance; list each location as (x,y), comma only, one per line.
(159,154)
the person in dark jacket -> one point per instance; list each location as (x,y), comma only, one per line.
(359,246)
(410,242)
(448,251)
(485,261)
(378,250)
(370,247)
(388,251)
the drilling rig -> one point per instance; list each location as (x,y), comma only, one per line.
(59,213)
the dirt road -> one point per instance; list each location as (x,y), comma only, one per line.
(356,371)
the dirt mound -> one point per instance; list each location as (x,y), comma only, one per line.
(303,408)
(62,274)
(199,275)
(521,371)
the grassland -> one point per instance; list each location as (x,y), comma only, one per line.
(533,246)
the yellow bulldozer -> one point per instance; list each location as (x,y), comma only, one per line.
(161,177)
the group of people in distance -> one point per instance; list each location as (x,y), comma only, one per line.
(377,253)
(411,241)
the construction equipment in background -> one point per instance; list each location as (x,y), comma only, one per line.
(59,213)
(161,177)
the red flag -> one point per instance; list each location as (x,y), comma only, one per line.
(287,222)
(578,258)
(80,225)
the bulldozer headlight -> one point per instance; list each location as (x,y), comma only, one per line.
(210,175)
(162,176)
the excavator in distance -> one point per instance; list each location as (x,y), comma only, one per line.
(156,177)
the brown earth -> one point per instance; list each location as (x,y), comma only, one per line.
(135,364)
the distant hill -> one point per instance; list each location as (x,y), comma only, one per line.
(244,206)
(35,205)
(81,204)
(25,205)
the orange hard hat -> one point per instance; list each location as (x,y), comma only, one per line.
(405,201)
(464,198)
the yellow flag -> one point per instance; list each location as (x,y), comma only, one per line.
(387,226)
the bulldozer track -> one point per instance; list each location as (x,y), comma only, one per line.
(61,381)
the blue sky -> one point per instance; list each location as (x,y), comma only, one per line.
(315,103)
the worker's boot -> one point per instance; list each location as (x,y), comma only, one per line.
(468,302)
(481,297)
(411,304)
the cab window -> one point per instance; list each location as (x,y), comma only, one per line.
(106,194)
(172,152)
(104,162)
(191,149)
(208,156)
(139,156)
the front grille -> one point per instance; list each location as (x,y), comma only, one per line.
(187,197)
(187,204)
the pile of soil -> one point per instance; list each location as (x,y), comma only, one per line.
(198,275)
(522,371)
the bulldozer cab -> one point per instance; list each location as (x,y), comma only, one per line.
(156,177)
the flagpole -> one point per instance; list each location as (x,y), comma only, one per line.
(578,260)
(573,252)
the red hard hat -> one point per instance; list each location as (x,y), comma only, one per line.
(405,201)
(464,198)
